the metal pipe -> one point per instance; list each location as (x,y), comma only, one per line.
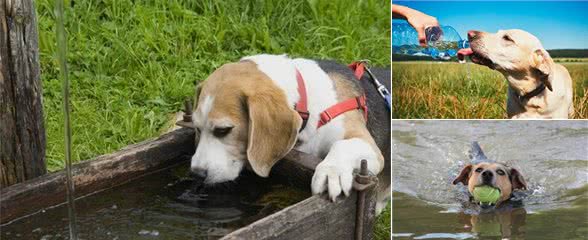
(362,178)
(187,110)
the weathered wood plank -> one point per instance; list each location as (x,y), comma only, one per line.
(98,174)
(314,218)
(295,169)
(22,134)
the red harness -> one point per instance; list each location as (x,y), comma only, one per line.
(326,116)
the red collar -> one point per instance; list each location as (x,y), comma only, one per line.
(326,116)
(301,106)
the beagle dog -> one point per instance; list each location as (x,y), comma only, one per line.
(483,171)
(538,87)
(246,116)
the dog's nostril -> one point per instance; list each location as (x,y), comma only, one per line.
(487,174)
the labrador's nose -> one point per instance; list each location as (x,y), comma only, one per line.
(487,176)
(473,34)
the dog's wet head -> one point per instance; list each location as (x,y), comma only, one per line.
(495,175)
(509,51)
(242,119)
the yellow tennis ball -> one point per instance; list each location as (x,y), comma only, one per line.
(486,194)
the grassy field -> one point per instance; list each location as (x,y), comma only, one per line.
(452,90)
(133,62)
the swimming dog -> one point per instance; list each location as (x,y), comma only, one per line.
(485,172)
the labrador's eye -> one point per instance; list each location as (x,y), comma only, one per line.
(479,169)
(220,132)
(507,38)
(500,172)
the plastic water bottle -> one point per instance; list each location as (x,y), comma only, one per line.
(442,42)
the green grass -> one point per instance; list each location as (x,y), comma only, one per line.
(452,90)
(132,63)
(382,229)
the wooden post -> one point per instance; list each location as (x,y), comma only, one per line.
(22,135)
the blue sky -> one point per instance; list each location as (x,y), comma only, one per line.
(557,24)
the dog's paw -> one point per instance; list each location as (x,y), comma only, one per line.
(333,177)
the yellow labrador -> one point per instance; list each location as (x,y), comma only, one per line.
(538,87)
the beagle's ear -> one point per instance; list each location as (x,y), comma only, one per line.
(517,180)
(464,175)
(273,129)
(542,63)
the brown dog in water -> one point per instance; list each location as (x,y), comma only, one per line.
(483,171)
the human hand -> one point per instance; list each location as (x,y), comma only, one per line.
(420,21)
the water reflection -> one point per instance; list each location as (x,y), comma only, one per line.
(507,223)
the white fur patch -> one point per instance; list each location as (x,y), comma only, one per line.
(212,156)
(200,117)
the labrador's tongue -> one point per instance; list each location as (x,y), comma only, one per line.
(464,52)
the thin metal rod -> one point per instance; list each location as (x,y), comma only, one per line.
(187,110)
(359,211)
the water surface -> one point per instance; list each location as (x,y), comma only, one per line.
(165,205)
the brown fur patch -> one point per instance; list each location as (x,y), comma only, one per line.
(353,122)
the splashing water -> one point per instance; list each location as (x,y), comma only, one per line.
(61,55)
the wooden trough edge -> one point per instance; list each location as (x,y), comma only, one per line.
(314,218)
(100,173)
(129,163)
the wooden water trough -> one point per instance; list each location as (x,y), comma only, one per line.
(313,218)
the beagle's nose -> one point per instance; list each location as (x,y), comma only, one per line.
(473,34)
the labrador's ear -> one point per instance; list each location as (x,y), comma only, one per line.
(273,130)
(464,175)
(542,63)
(517,180)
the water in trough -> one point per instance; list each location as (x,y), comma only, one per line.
(166,205)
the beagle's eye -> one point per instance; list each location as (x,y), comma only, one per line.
(500,172)
(479,169)
(507,38)
(220,132)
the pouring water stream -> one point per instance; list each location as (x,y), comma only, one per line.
(61,55)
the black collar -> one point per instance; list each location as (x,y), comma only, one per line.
(533,93)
